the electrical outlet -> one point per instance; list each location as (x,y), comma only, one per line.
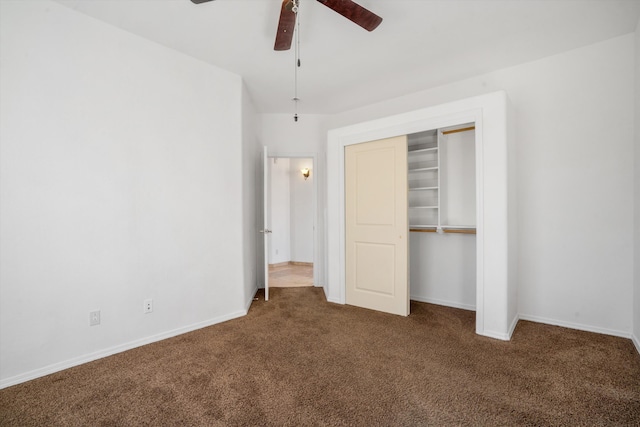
(148,306)
(94,318)
(276,252)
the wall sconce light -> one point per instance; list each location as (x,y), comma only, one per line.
(305,172)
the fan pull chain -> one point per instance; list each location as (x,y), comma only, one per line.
(296,10)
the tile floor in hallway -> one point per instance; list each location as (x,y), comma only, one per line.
(290,276)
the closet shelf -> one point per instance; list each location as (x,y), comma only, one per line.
(447,132)
(423,188)
(422,150)
(423,169)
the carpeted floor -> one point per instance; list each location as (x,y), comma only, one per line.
(298,360)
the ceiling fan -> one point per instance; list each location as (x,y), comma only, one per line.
(347,8)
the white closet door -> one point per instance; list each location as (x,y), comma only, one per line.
(376,225)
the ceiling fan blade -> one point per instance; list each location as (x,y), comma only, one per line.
(200,1)
(354,12)
(286,26)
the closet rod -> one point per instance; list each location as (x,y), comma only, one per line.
(460,230)
(423,230)
(447,132)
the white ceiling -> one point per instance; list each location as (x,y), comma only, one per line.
(420,43)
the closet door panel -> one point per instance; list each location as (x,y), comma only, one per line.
(376,225)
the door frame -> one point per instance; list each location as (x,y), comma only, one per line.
(316,177)
(496,298)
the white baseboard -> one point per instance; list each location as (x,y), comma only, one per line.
(446,303)
(330,298)
(503,336)
(513,325)
(636,342)
(578,326)
(249,301)
(495,335)
(56,367)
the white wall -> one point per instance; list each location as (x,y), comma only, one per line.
(458,179)
(284,136)
(279,211)
(251,196)
(302,214)
(120,180)
(443,269)
(636,294)
(574,179)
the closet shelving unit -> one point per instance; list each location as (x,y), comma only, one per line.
(424,180)
(424,170)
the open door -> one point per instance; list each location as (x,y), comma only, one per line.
(377,225)
(265,215)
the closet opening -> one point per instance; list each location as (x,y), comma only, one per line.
(496,305)
(442,211)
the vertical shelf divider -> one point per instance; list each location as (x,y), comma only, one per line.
(439,137)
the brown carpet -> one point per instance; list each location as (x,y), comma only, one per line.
(298,360)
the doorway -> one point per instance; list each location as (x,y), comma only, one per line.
(291,219)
